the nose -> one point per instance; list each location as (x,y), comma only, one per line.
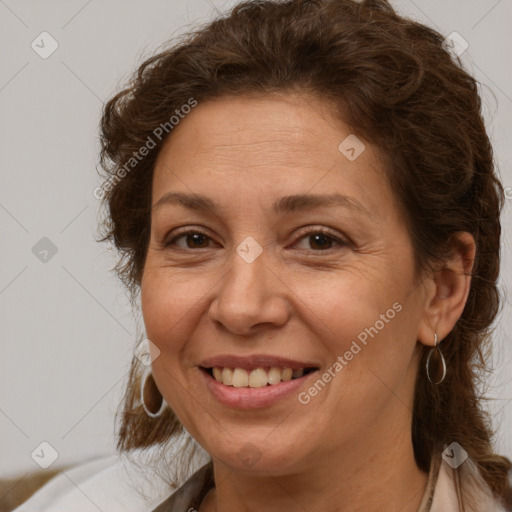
(250,298)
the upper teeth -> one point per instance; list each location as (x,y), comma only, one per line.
(257,378)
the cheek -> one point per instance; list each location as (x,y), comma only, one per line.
(362,318)
(342,305)
(167,307)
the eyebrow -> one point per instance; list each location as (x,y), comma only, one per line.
(286,204)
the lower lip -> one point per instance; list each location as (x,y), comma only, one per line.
(253,398)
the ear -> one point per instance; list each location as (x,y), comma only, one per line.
(448,290)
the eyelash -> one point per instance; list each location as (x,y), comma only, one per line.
(316,231)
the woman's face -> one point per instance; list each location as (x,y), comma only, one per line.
(272,247)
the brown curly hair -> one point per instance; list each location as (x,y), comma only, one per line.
(396,85)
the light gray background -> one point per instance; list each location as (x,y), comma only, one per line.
(67,331)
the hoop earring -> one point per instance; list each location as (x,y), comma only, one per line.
(440,360)
(148,391)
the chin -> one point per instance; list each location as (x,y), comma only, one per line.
(257,455)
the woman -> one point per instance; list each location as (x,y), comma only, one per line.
(304,200)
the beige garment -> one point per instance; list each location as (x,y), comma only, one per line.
(113,484)
(441,494)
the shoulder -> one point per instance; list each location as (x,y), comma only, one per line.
(113,483)
(475,493)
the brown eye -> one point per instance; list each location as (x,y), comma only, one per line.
(319,240)
(190,240)
(196,240)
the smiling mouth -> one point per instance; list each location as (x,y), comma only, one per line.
(257,377)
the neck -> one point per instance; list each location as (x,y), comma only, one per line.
(387,480)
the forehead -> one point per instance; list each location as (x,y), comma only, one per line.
(264,124)
(257,146)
